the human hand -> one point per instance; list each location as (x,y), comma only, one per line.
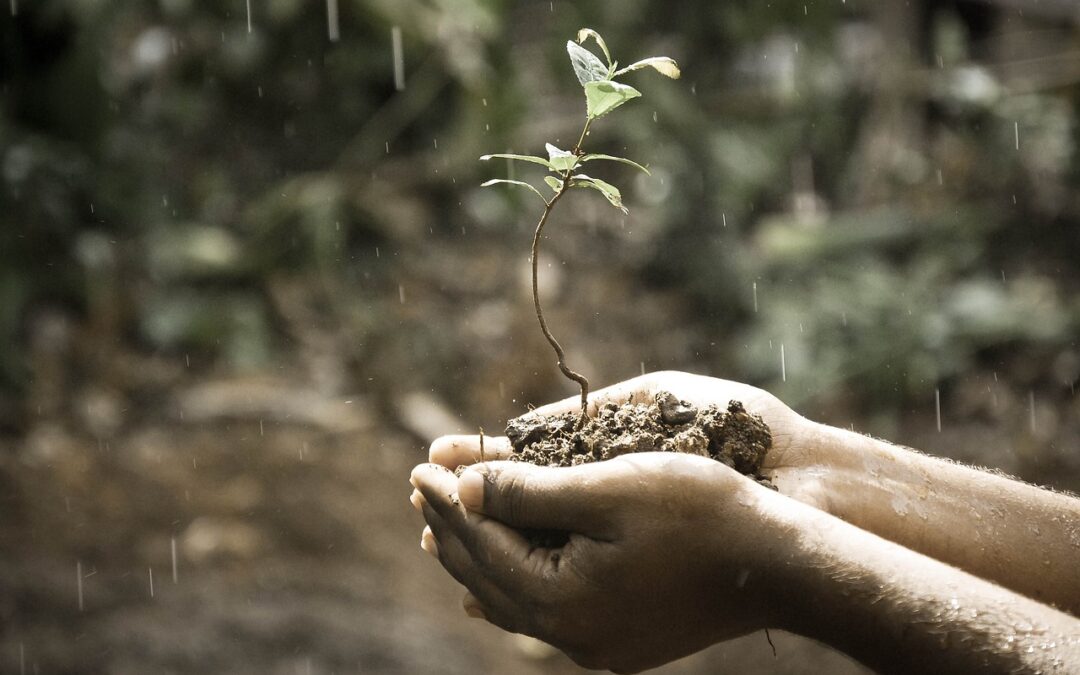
(666,555)
(790,463)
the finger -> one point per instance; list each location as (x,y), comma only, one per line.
(474,609)
(536,497)
(455,451)
(428,543)
(483,569)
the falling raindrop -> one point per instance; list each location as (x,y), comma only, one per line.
(151,570)
(78,583)
(261,428)
(172,547)
(642,367)
(399,58)
(940,178)
(332,29)
(248,4)
(14,8)
(755,298)
(401,293)
(723,218)
(937,407)
(1031,407)
(783,364)
(1016,131)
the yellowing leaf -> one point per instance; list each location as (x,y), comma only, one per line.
(660,64)
(586,33)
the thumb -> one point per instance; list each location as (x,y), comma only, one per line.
(524,495)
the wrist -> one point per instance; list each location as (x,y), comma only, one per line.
(759,546)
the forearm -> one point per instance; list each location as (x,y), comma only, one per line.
(899,611)
(1017,535)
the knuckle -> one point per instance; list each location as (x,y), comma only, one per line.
(512,495)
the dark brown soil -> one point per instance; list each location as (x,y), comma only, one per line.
(666,424)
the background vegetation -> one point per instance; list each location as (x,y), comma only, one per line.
(229,238)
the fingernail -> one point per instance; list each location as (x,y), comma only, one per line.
(417,500)
(474,612)
(427,542)
(471,489)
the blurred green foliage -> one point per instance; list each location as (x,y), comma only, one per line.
(889,190)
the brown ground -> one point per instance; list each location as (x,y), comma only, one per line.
(286,494)
(296,550)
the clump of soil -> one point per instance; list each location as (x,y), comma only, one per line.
(666,424)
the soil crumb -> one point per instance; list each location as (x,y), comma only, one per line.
(665,424)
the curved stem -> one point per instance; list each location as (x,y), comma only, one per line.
(582,381)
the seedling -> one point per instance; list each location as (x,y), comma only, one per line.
(602,95)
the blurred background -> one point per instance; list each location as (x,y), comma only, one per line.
(247,273)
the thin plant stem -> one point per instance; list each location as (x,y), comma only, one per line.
(582,381)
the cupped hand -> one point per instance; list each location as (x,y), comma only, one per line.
(667,553)
(792,463)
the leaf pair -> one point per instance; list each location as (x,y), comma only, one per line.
(563,161)
(610,192)
(602,93)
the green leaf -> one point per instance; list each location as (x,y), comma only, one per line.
(587,67)
(610,192)
(612,158)
(586,33)
(513,182)
(524,158)
(604,96)
(560,161)
(554,182)
(660,64)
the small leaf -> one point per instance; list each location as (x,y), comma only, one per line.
(612,158)
(587,67)
(661,64)
(560,161)
(586,33)
(494,181)
(524,158)
(554,182)
(610,192)
(604,96)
